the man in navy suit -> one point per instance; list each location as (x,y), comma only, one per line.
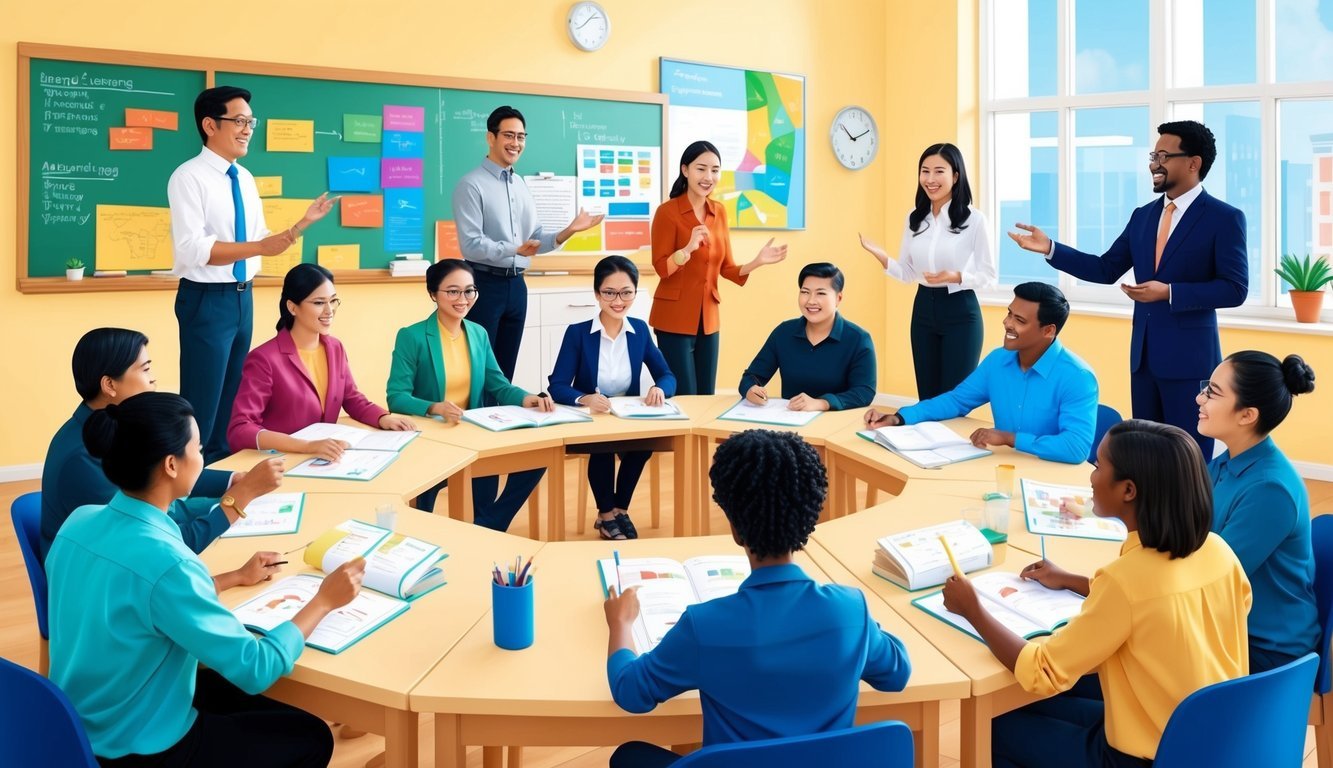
(1187,250)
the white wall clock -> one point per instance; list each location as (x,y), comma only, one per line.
(854,137)
(589,26)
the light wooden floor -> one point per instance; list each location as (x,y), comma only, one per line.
(18,628)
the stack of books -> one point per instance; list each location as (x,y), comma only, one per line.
(408,266)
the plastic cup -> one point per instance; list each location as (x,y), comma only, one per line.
(1004,479)
(386,517)
(512,616)
(997,512)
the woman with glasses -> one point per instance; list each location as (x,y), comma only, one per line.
(301,376)
(443,366)
(1260,505)
(602,358)
(946,250)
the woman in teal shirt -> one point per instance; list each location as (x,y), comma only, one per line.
(134,613)
(1260,506)
(421,384)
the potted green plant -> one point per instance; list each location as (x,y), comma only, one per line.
(74,269)
(1307,278)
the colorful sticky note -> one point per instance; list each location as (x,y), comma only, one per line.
(404,118)
(269,186)
(626,235)
(404,144)
(290,135)
(404,220)
(354,174)
(446,241)
(400,172)
(362,129)
(151,118)
(130,138)
(362,210)
(587,240)
(340,256)
(279,213)
(133,237)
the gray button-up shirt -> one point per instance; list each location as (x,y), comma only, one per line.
(495,215)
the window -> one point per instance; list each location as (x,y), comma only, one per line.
(1072,92)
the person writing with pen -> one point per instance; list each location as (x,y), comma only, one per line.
(444,365)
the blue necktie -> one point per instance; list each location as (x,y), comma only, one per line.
(237,267)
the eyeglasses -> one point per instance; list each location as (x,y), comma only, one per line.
(610,295)
(1159,157)
(240,122)
(512,136)
(453,294)
(1208,391)
(322,304)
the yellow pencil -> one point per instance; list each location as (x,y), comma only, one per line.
(958,571)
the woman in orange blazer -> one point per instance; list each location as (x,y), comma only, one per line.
(691,250)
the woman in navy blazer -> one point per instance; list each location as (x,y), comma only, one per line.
(602,358)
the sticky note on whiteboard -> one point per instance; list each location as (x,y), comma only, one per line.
(340,256)
(269,186)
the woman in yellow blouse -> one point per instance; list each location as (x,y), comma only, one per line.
(1163,620)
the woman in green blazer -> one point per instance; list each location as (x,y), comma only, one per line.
(444,365)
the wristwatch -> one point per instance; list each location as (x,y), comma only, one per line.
(230,501)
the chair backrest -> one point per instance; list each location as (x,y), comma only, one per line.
(1252,720)
(27,515)
(1321,541)
(1107,417)
(887,744)
(39,726)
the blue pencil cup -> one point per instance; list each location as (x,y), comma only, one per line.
(511,616)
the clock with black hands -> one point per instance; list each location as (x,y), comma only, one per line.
(854,137)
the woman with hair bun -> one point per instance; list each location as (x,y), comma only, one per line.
(301,376)
(1260,505)
(134,613)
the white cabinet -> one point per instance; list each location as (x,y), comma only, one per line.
(550,312)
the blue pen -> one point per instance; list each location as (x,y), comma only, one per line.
(619,589)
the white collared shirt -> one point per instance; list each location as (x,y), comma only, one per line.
(613,372)
(202,213)
(933,248)
(1182,202)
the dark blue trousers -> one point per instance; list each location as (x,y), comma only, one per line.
(1169,401)
(1064,731)
(692,359)
(488,510)
(611,489)
(216,325)
(501,308)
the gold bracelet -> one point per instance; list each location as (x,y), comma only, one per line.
(680,257)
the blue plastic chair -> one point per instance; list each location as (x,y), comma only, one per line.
(1107,417)
(26,513)
(39,726)
(887,745)
(1252,720)
(1321,710)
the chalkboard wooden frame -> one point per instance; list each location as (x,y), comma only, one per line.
(209,66)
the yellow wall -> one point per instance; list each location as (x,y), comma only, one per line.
(918,57)
(523,42)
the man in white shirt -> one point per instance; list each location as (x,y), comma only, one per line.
(218,233)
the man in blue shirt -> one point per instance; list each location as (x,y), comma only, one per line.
(749,653)
(1042,396)
(498,233)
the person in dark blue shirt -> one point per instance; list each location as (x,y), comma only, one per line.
(1042,396)
(749,653)
(1260,505)
(827,363)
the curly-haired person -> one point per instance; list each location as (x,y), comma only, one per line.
(748,654)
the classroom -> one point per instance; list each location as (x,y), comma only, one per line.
(926,73)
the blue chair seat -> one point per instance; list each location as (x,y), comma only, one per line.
(39,727)
(884,745)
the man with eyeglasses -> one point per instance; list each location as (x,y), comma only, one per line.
(1188,255)
(218,233)
(498,234)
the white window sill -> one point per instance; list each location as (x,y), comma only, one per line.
(1275,320)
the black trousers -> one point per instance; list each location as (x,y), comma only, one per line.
(612,490)
(236,729)
(692,358)
(947,332)
(501,308)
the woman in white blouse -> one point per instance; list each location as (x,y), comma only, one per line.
(946,250)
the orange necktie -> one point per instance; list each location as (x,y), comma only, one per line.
(1163,232)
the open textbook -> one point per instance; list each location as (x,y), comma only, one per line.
(397,567)
(269,515)
(773,411)
(1024,607)
(916,559)
(667,588)
(633,407)
(353,464)
(360,438)
(928,444)
(1042,510)
(498,418)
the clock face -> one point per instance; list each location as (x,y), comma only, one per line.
(589,26)
(854,137)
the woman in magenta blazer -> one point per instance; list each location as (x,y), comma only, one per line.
(301,376)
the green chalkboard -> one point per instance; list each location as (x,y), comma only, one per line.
(72,108)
